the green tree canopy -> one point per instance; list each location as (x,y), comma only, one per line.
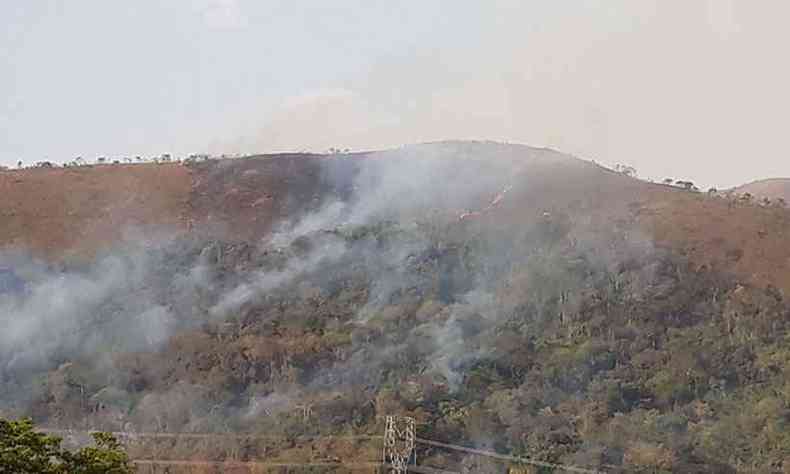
(23,450)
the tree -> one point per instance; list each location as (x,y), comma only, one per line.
(668,181)
(687,185)
(625,169)
(23,451)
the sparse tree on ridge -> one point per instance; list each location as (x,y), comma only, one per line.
(687,185)
(625,169)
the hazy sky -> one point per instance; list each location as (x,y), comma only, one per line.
(677,88)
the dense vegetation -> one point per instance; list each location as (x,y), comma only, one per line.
(26,451)
(551,341)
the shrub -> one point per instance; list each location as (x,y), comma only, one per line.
(23,450)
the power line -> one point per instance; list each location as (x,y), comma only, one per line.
(253,464)
(164,435)
(232,464)
(242,436)
(504,457)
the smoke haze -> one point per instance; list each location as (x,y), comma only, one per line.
(674,88)
(388,236)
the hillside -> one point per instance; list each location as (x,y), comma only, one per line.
(508,298)
(62,211)
(768,188)
(56,212)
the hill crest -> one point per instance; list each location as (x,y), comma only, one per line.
(79,211)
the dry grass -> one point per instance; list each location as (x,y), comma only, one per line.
(75,211)
(57,212)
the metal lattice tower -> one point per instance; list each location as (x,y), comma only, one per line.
(399,437)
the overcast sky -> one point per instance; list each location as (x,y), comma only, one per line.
(696,89)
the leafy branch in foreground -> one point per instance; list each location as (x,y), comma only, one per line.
(23,450)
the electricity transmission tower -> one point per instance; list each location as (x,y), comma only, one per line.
(399,437)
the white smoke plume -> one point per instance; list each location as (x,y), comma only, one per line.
(402,215)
